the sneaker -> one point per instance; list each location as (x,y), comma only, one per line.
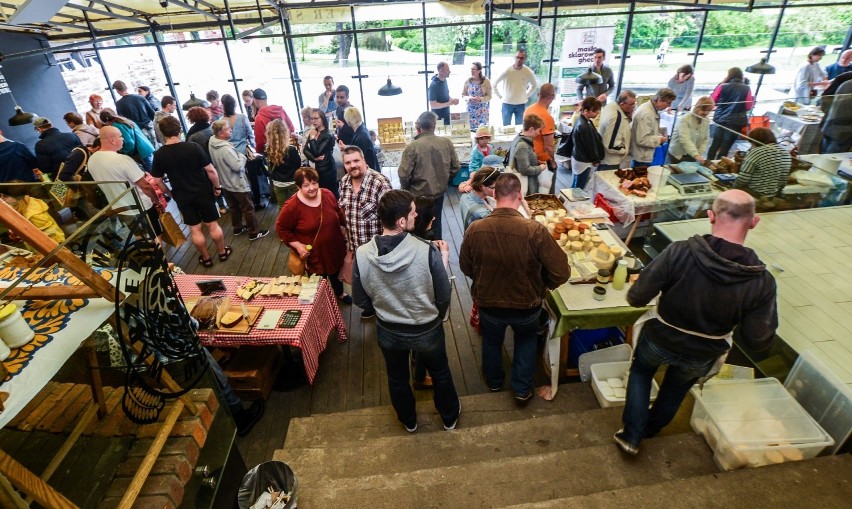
(246,418)
(625,446)
(411,430)
(453,425)
(524,397)
(346,299)
(495,389)
(366,315)
(259,235)
(239,231)
(425,385)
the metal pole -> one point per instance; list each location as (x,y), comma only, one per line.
(489,26)
(234,78)
(294,78)
(168,74)
(294,67)
(772,40)
(699,41)
(627,28)
(425,55)
(98,54)
(552,47)
(358,63)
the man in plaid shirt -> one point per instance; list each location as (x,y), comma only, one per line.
(360,191)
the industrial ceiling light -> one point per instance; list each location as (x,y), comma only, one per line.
(761,67)
(192,102)
(589,77)
(389,89)
(21,117)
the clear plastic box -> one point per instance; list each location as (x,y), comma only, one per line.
(751,423)
(605,370)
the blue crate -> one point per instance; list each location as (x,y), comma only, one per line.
(583,341)
(462,175)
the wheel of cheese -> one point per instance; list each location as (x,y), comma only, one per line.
(231,318)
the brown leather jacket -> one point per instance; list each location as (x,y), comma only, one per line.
(511,260)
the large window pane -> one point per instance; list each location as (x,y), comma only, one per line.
(135,66)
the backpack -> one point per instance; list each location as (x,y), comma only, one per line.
(566,145)
(92,193)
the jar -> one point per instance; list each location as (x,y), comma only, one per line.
(14,330)
(599,292)
(603,276)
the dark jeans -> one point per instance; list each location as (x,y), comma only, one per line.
(336,283)
(681,375)
(525,328)
(580,180)
(437,210)
(634,163)
(431,349)
(606,167)
(257,178)
(670,159)
(832,146)
(240,204)
(328,180)
(724,137)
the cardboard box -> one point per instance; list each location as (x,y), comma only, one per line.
(252,371)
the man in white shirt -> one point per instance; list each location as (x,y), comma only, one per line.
(519,83)
(615,131)
(107,165)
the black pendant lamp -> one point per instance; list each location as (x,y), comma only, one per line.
(21,117)
(589,77)
(761,67)
(192,102)
(389,89)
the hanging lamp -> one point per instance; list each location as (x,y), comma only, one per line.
(192,102)
(21,117)
(761,67)
(389,89)
(589,77)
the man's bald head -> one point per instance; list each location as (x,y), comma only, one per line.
(111,140)
(732,216)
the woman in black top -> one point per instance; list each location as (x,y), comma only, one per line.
(588,146)
(361,139)
(283,159)
(320,150)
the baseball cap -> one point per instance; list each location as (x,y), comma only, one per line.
(259,93)
(42,122)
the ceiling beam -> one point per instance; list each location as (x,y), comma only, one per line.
(107,14)
(64,47)
(110,5)
(196,9)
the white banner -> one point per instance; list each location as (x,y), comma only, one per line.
(578,54)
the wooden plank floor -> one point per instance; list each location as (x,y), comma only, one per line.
(352,374)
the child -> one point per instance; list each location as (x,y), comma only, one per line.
(380,154)
(482,154)
(33,209)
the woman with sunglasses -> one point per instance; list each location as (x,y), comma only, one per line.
(476,204)
(682,83)
(477,93)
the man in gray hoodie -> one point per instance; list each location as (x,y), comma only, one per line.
(403,278)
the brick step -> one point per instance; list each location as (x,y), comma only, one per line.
(819,482)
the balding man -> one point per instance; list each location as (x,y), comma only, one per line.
(710,285)
(544,144)
(439,93)
(843,65)
(108,165)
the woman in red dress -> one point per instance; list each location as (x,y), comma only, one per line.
(311,223)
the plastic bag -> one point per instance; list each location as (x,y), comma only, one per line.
(257,482)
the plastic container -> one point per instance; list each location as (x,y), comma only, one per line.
(14,330)
(751,423)
(823,395)
(620,276)
(592,340)
(658,176)
(602,371)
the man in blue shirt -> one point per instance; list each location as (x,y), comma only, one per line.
(16,161)
(843,64)
(439,93)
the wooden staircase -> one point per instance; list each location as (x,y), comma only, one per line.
(544,455)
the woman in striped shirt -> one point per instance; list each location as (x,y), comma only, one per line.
(764,170)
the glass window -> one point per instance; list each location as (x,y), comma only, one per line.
(135,66)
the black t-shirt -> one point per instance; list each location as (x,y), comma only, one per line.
(184,163)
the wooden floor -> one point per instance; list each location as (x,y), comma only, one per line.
(352,374)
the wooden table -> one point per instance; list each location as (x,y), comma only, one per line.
(310,335)
(808,252)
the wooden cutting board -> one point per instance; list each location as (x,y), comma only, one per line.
(241,327)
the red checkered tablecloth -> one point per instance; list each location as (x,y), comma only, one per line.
(310,334)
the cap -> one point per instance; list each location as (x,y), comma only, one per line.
(42,122)
(259,93)
(482,131)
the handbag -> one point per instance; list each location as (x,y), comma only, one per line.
(172,234)
(295,263)
(345,274)
(251,153)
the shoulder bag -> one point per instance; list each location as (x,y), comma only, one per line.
(295,263)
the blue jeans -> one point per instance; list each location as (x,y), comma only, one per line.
(525,328)
(724,137)
(681,375)
(432,351)
(581,179)
(634,163)
(513,109)
(436,233)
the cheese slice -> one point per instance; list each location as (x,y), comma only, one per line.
(231,318)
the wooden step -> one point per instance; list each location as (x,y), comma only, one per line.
(513,480)
(821,482)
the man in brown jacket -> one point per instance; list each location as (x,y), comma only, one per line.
(512,261)
(427,165)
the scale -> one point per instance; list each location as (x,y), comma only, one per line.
(690,183)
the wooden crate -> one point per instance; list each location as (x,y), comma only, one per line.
(252,371)
(387,143)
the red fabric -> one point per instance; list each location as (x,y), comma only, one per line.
(299,222)
(310,334)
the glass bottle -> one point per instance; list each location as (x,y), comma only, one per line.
(620,276)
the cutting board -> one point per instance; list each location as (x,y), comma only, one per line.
(241,327)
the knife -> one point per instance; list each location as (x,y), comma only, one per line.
(245,312)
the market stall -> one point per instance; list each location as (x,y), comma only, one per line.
(804,129)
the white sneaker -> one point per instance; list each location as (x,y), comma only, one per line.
(453,425)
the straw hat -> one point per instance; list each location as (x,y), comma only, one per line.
(482,131)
